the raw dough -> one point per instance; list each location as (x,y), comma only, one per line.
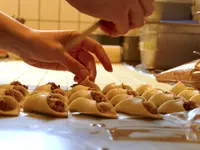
(94,95)
(118,98)
(90,84)
(18,96)
(148,94)
(136,107)
(187,94)
(38,103)
(9,106)
(160,98)
(143,88)
(171,106)
(91,107)
(196,99)
(178,88)
(76,89)
(50,87)
(118,91)
(111,86)
(17,86)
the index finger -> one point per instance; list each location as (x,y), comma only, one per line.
(97,49)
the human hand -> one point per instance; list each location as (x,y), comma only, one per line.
(48,50)
(120,15)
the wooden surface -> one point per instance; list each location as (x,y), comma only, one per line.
(35,132)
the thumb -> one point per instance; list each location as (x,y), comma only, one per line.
(74,66)
(115,28)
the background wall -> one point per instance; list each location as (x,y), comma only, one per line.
(47,14)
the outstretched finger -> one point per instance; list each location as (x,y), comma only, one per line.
(73,65)
(88,61)
(97,49)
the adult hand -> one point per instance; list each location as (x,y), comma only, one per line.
(48,50)
(120,15)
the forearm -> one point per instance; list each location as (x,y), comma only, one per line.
(13,35)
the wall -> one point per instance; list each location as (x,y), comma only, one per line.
(47,14)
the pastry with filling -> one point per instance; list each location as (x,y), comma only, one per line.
(118,91)
(79,88)
(188,74)
(92,107)
(9,106)
(50,87)
(94,95)
(111,86)
(138,106)
(160,98)
(196,99)
(46,103)
(18,96)
(46,88)
(17,86)
(178,88)
(176,105)
(187,94)
(143,88)
(118,98)
(148,94)
(88,83)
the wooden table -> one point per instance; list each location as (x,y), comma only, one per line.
(35,132)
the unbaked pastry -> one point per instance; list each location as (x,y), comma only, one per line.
(118,91)
(50,87)
(46,103)
(187,94)
(160,98)
(18,96)
(178,88)
(90,84)
(118,98)
(17,86)
(196,99)
(143,88)
(111,86)
(79,88)
(148,94)
(9,106)
(176,105)
(91,107)
(138,106)
(94,95)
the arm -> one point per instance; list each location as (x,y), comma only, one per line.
(13,35)
(47,49)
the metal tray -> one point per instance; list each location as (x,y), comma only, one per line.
(167,45)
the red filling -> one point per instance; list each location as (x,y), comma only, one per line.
(189,105)
(129,92)
(13,94)
(59,91)
(17,83)
(98,97)
(56,104)
(53,85)
(4,105)
(103,108)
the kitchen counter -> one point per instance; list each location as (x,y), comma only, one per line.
(36,132)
